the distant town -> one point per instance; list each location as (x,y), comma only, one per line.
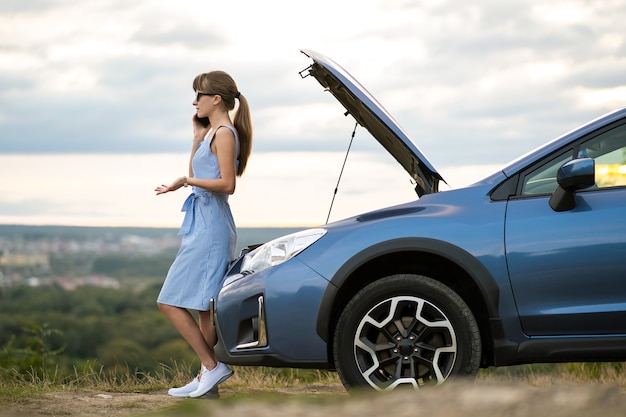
(65,256)
(27,253)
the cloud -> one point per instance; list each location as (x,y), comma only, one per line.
(104,87)
(477,82)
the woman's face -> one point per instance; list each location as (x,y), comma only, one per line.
(202,103)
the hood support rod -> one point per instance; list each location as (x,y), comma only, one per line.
(341,172)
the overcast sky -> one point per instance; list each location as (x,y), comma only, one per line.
(471,82)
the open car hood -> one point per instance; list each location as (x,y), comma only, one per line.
(368,112)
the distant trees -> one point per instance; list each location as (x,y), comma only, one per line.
(31,351)
(136,266)
(47,327)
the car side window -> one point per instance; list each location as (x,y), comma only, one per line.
(609,152)
(543,179)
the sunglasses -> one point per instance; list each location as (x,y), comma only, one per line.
(199,94)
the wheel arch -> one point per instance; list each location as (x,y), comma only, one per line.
(439,260)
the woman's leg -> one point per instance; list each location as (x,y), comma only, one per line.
(192,333)
(207,328)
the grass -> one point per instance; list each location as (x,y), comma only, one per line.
(15,386)
(268,382)
(565,374)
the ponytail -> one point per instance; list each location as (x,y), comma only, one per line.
(243,124)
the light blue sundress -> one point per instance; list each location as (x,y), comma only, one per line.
(209,238)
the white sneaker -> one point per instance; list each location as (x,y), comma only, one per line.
(210,379)
(184,392)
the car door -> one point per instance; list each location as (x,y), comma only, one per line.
(568,269)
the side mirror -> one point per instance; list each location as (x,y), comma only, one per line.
(572,176)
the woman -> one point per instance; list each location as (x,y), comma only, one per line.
(219,154)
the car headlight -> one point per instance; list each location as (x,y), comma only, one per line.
(280,250)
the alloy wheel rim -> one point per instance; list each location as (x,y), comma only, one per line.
(405,340)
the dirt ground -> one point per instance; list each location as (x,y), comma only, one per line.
(452,399)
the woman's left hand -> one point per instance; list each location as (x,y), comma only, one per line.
(162,189)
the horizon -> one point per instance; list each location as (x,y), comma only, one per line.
(288,189)
(54,226)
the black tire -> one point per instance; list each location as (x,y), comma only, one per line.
(405,330)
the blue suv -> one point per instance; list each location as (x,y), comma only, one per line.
(527,265)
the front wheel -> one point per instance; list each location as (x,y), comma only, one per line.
(405,330)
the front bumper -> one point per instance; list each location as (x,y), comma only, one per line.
(269,318)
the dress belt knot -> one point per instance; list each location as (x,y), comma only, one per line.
(188,208)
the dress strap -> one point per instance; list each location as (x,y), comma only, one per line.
(232,129)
